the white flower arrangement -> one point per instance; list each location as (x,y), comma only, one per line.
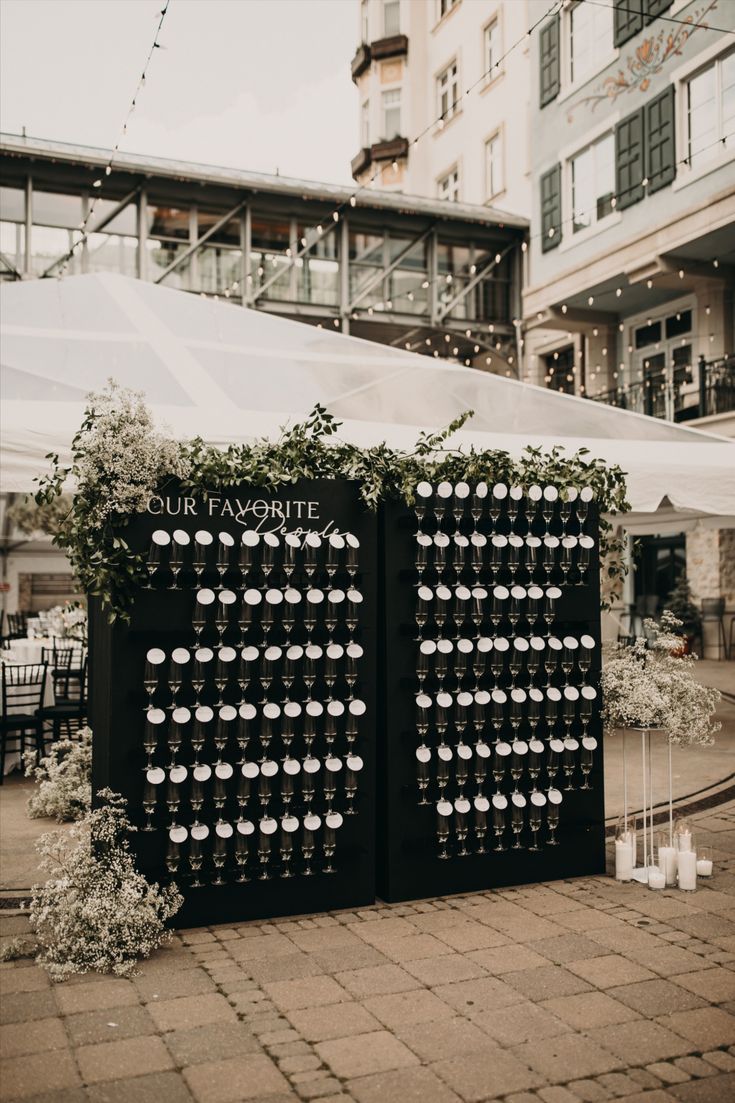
(651,684)
(65,779)
(66,622)
(97,913)
(121,455)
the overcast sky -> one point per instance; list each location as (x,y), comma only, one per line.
(255,84)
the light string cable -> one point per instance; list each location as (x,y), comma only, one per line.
(311,236)
(98,183)
(665,18)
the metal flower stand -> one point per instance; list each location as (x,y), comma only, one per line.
(643,872)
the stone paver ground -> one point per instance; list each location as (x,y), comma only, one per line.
(581,990)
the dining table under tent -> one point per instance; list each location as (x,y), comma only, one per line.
(306,661)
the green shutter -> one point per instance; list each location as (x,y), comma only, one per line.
(660,140)
(630,159)
(549,73)
(628,20)
(551,209)
(655,8)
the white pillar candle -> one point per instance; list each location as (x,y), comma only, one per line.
(667,862)
(624,858)
(656,878)
(687,870)
(704,867)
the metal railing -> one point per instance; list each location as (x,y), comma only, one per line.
(708,389)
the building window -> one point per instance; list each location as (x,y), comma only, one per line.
(494,165)
(391,114)
(446,6)
(447,86)
(493,48)
(593,183)
(711,111)
(364,26)
(448,187)
(590,39)
(365,124)
(391,17)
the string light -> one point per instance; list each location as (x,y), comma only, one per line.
(97,184)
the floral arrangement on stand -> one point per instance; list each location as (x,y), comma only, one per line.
(651,684)
(64,779)
(120,460)
(96,912)
(66,622)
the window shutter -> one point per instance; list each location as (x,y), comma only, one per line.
(551,209)
(660,140)
(628,20)
(630,160)
(549,61)
(655,8)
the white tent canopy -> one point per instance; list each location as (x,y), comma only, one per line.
(230,374)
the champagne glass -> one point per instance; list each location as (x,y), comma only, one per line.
(461,809)
(289,826)
(311,825)
(538,801)
(225,544)
(203,540)
(423,758)
(518,803)
(332,823)
(424,493)
(589,746)
(444,812)
(159,540)
(204,600)
(482,807)
(222,832)
(154,659)
(554,798)
(245,831)
(354,765)
(500,804)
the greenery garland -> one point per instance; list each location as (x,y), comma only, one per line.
(119,461)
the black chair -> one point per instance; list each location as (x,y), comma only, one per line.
(17,626)
(71,713)
(713,612)
(66,665)
(23,686)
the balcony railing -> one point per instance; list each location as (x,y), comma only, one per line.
(701,392)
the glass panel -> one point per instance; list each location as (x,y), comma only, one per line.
(112,253)
(50,244)
(317,280)
(492,46)
(270,245)
(406,292)
(647,335)
(590,36)
(679,323)
(593,183)
(229,234)
(12,205)
(124,223)
(168,222)
(160,255)
(55,209)
(391,17)
(414,258)
(12,245)
(702,117)
(493,166)
(366,248)
(391,114)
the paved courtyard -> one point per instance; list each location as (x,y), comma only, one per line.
(575,990)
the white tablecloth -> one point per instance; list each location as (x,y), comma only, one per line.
(28,651)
